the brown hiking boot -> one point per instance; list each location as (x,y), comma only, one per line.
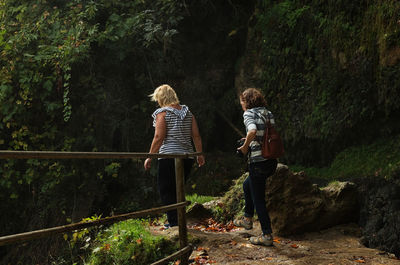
(265,240)
(244,221)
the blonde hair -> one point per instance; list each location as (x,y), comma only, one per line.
(164,95)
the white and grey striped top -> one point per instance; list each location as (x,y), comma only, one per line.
(178,137)
(255,119)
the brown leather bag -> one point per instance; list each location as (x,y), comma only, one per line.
(272,144)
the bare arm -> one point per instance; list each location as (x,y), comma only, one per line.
(251,135)
(197,141)
(159,136)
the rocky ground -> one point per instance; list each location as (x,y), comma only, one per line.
(299,207)
(338,245)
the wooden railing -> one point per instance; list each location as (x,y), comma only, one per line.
(180,206)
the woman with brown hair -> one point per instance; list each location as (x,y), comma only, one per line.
(255,117)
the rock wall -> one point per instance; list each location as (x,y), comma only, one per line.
(380,213)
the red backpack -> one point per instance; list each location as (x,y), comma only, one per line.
(272,144)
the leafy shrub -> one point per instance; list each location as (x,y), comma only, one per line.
(129,242)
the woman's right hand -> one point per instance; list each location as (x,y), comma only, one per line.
(243,149)
(147,164)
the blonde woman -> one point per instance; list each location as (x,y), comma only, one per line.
(175,127)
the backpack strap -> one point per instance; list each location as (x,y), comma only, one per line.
(267,123)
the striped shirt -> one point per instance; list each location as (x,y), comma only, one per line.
(254,119)
(178,138)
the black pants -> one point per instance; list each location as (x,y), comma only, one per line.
(254,192)
(167,184)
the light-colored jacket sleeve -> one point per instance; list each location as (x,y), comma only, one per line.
(249,121)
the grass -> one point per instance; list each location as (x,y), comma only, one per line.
(198,198)
(381,158)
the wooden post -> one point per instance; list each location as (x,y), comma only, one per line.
(180,197)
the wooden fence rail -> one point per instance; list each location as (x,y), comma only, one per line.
(6,240)
(6,154)
(181,204)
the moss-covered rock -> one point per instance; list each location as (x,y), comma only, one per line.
(232,203)
(295,204)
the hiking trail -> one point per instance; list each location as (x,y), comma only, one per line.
(338,245)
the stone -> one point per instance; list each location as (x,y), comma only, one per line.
(198,211)
(380,213)
(296,205)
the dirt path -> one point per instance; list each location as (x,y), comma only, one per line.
(338,245)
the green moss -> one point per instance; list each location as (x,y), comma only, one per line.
(232,203)
(381,158)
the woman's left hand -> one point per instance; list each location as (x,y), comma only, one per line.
(201,160)
(147,164)
(251,135)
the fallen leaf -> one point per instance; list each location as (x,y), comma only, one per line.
(210,225)
(294,246)
(276,239)
(359,259)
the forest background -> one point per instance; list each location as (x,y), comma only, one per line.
(76,75)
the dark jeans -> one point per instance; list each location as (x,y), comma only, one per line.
(254,192)
(167,184)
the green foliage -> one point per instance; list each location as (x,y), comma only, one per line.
(74,76)
(329,70)
(83,236)
(129,242)
(381,158)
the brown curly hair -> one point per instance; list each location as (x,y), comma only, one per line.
(253,98)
